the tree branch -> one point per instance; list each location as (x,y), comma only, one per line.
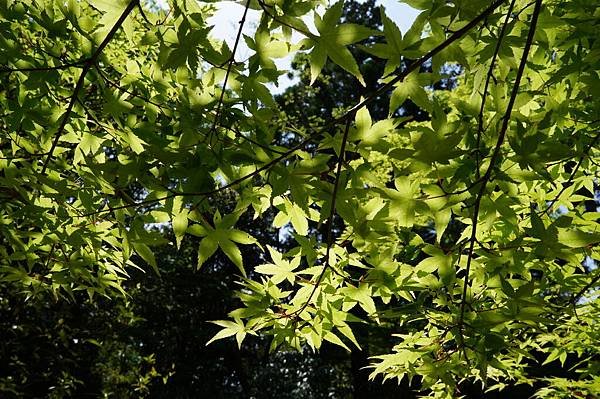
(415,65)
(248,139)
(486,177)
(132,94)
(488,78)
(143,14)
(329,227)
(576,297)
(573,173)
(79,85)
(229,66)
(264,7)
(80,63)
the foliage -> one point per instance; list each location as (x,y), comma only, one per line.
(471,232)
(57,350)
(153,345)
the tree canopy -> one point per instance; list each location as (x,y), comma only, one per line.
(463,220)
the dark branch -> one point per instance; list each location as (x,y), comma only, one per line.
(576,297)
(573,173)
(488,78)
(79,85)
(132,94)
(80,63)
(230,63)
(234,183)
(248,139)
(143,14)
(265,8)
(329,227)
(413,66)
(486,177)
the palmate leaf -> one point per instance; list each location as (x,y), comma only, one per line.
(233,253)
(292,213)
(230,328)
(223,236)
(180,225)
(370,134)
(402,205)
(111,10)
(412,87)
(332,42)
(267,49)
(362,295)
(578,238)
(280,269)
(391,50)
(208,247)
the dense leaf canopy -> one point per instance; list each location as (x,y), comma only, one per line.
(471,232)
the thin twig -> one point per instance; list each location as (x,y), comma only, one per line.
(265,7)
(329,227)
(80,63)
(107,128)
(23,157)
(573,173)
(124,90)
(234,183)
(79,85)
(143,14)
(576,297)
(66,116)
(488,78)
(486,177)
(230,63)
(242,136)
(415,65)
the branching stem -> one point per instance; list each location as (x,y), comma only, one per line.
(89,63)
(329,227)
(230,63)
(489,76)
(495,156)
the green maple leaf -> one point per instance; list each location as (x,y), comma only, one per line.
(280,269)
(224,236)
(332,41)
(391,49)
